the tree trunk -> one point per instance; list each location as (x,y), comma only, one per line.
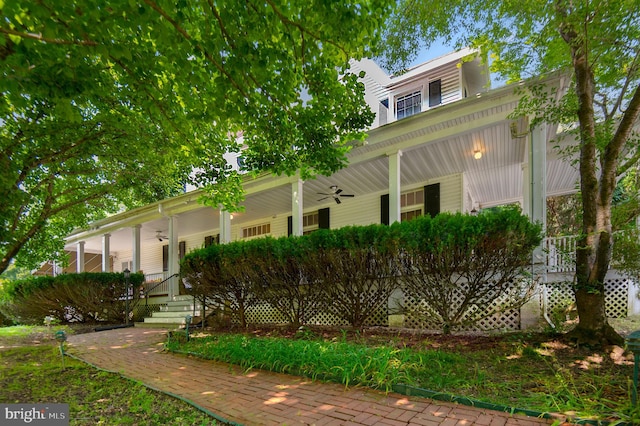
(593,254)
(593,328)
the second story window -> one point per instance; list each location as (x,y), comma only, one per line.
(408,105)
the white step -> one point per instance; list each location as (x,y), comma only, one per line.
(171,320)
(174,314)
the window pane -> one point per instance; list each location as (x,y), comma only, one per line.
(408,105)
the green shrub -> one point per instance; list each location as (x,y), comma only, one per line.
(466,268)
(462,268)
(85,297)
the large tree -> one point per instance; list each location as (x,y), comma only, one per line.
(598,42)
(105,105)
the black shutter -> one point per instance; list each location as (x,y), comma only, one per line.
(384,209)
(208,240)
(289,226)
(165,258)
(432,199)
(323,218)
(435,93)
(182,248)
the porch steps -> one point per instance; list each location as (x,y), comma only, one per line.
(173,314)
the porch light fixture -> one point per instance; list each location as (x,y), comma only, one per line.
(477,154)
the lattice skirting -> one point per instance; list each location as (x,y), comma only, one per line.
(559,295)
(266,314)
(415,314)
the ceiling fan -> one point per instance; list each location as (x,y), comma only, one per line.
(336,193)
(161,237)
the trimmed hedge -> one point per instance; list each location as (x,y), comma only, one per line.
(85,297)
(351,272)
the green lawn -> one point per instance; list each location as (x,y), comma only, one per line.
(32,372)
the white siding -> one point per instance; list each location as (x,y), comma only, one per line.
(450,193)
(361,210)
(451,86)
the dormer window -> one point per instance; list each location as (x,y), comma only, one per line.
(408,105)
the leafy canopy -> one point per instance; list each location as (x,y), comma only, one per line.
(598,45)
(113,105)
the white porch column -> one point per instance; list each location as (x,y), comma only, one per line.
(394,186)
(225,226)
(174,257)
(538,173)
(135,248)
(80,257)
(106,260)
(535,206)
(296,207)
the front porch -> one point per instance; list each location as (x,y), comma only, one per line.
(554,296)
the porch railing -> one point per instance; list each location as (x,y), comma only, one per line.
(156,284)
(560,253)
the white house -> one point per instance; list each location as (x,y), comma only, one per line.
(441,141)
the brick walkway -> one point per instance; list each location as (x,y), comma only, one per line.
(265,398)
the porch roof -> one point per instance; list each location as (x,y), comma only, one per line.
(436,143)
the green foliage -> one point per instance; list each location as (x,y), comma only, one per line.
(467,268)
(352,272)
(358,269)
(111,107)
(34,374)
(336,361)
(595,45)
(86,297)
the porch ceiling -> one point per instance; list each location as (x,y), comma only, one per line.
(434,144)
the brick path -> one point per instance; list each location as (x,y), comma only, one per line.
(264,398)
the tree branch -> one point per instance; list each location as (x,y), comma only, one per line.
(186,35)
(625,129)
(632,70)
(40,37)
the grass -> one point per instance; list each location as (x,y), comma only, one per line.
(32,372)
(534,371)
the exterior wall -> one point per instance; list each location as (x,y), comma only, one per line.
(450,88)
(451,190)
(361,210)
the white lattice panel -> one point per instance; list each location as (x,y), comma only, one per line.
(264,314)
(418,314)
(559,295)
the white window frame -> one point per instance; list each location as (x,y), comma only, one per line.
(416,208)
(256,231)
(412,109)
(310,222)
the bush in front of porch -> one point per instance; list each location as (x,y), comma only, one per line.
(86,297)
(461,268)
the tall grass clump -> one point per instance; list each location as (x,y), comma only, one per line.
(339,361)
